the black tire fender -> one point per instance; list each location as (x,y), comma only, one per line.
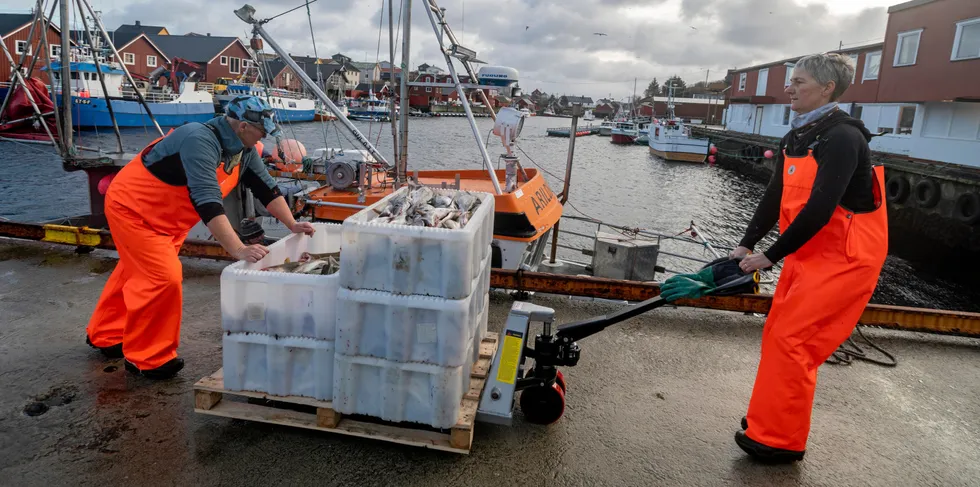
(927,193)
(897,189)
(967,208)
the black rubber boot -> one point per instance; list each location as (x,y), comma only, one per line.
(766,454)
(114,351)
(745,423)
(165,371)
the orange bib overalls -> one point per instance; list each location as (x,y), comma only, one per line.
(822,291)
(141,303)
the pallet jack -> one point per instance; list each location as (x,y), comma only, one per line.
(541,384)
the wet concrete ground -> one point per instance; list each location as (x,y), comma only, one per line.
(654,401)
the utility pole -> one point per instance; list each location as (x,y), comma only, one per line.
(707,120)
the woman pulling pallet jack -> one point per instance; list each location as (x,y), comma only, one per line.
(827,198)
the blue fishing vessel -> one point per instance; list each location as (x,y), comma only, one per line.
(89,102)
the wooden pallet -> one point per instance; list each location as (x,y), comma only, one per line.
(306,412)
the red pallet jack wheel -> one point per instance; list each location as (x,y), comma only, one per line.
(543,405)
(560,380)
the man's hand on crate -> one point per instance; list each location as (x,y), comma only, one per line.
(303,227)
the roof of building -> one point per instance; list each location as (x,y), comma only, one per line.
(12,22)
(363,66)
(578,99)
(908,5)
(198,49)
(127,32)
(847,50)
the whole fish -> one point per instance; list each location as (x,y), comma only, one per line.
(441,201)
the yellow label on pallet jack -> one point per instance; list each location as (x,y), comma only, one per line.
(510,357)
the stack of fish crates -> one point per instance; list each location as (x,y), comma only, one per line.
(411,313)
(280,328)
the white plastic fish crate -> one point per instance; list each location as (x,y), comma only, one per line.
(411,328)
(398,391)
(282,303)
(284,366)
(404,259)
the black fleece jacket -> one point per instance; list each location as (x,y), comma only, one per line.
(844,177)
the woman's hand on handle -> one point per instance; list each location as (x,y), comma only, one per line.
(739,252)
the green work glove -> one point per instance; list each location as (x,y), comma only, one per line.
(705,275)
(678,287)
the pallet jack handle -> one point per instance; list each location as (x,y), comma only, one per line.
(729,279)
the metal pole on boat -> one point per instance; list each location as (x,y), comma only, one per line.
(465,101)
(66,101)
(704,239)
(105,35)
(247,13)
(576,112)
(391,90)
(54,99)
(401,168)
(98,67)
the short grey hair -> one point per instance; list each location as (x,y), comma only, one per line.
(829,67)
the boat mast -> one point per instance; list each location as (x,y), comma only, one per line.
(391,89)
(401,168)
(66,100)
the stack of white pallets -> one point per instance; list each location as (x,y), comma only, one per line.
(411,312)
(280,328)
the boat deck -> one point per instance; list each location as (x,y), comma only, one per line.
(653,401)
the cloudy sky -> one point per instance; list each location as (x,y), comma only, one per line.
(551,42)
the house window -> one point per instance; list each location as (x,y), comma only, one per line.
(741,82)
(55,50)
(786,115)
(223,60)
(428,89)
(906,117)
(789,74)
(871,64)
(21,47)
(236,65)
(907,48)
(966,44)
(151,61)
(129,58)
(854,63)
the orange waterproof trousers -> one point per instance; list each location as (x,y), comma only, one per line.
(141,303)
(822,291)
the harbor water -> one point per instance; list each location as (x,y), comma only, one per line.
(622,185)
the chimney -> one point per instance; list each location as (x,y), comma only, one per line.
(209,34)
(137,23)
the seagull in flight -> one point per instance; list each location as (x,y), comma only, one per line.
(598,34)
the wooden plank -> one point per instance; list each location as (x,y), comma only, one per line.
(206,399)
(287,417)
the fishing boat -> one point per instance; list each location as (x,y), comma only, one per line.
(671,140)
(290,106)
(606,128)
(172,105)
(625,133)
(370,108)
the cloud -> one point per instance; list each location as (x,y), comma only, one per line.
(551,42)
